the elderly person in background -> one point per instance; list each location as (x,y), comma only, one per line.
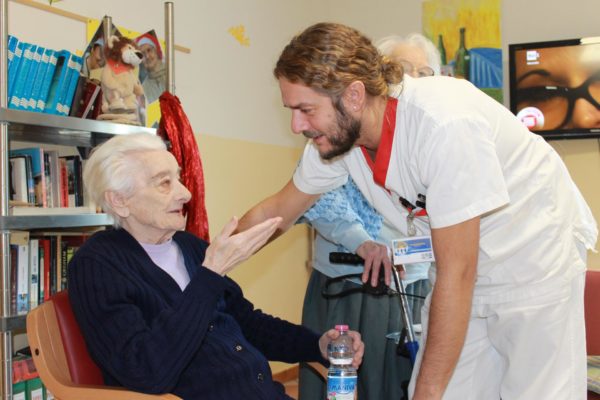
(344,221)
(156,310)
(418,55)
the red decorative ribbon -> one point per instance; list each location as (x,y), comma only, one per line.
(175,127)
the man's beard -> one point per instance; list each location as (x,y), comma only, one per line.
(347,133)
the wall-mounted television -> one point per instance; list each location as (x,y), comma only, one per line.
(555,87)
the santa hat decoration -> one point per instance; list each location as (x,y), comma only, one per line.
(148,38)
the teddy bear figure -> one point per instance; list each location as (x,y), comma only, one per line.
(120,84)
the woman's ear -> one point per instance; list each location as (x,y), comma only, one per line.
(353,97)
(117,202)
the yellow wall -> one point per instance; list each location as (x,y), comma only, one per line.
(239,174)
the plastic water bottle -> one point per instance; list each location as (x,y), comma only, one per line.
(341,377)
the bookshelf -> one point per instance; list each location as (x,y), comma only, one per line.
(38,128)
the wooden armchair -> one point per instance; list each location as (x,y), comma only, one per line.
(62,360)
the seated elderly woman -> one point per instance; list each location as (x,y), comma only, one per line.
(156,310)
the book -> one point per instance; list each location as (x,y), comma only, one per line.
(21,75)
(46,265)
(55,178)
(74,179)
(83,99)
(30,180)
(48,181)
(19,391)
(38,81)
(59,82)
(11,46)
(53,265)
(14,67)
(40,105)
(18,179)
(20,239)
(31,75)
(34,273)
(23,368)
(13,41)
(73,78)
(34,389)
(42,274)
(14,254)
(38,172)
(93,106)
(64,182)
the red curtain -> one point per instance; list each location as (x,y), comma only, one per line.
(175,128)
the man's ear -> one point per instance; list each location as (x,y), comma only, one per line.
(354,97)
(117,202)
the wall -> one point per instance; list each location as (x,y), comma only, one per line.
(539,20)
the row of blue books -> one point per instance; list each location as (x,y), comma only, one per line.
(41,79)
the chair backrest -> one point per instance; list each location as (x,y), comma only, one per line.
(81,367)
(61,357)
(592,312)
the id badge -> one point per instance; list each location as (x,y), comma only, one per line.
(414,249)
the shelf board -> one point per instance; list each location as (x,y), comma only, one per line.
(8,324)
(63,130)
(27,222)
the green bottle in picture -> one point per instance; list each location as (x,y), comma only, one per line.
(462,58)
(442,50)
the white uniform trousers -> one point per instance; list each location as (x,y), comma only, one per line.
(525,350)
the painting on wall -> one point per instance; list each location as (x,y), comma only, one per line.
(467,33)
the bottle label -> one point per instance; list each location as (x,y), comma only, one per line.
(340,361)
(341,387)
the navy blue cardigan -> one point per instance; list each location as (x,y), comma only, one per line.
(207,342)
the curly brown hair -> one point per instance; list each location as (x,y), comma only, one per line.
(327,57)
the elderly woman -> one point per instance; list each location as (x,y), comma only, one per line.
(156,310)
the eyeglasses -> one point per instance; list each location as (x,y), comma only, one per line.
(411,70)
(557,102)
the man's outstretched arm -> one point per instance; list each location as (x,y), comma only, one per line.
(289,203)
(456,250)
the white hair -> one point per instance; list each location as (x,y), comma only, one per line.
(110,167)
(387,45)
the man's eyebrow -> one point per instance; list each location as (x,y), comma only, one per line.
(297,106)
(541,72)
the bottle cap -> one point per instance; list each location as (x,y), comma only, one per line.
(341,328)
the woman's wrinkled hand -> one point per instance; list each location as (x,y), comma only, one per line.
(357,345)
(228,250)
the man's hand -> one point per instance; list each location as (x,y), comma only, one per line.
(228,250)
(357,345)
(375,255)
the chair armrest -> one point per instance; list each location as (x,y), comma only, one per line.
(318,368)
(93,392)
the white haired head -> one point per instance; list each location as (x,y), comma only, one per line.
(388,44)
(110,167)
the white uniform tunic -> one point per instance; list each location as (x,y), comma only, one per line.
(471,157)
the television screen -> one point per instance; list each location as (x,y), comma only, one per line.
(555,87)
